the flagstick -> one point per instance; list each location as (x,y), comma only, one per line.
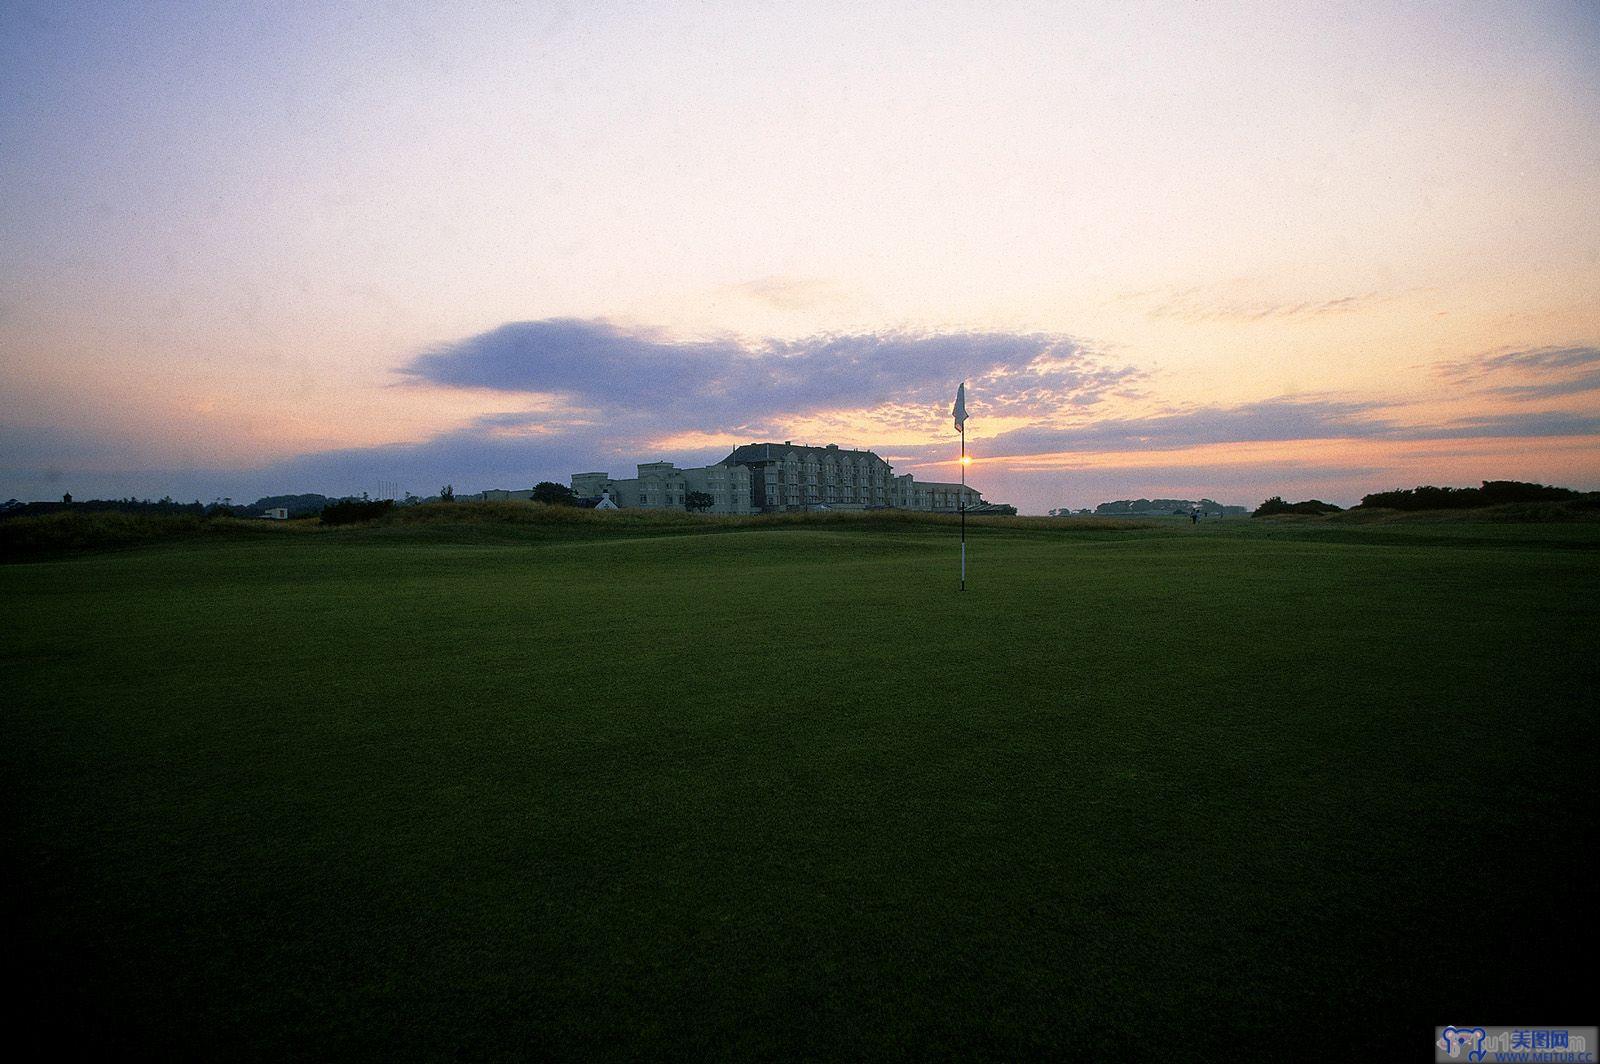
(963,501)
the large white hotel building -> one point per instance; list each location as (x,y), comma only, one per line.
(759,478)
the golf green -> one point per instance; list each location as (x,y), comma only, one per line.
(784,792)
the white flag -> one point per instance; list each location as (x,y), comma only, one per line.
(959,411)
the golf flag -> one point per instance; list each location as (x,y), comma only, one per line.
(959,412)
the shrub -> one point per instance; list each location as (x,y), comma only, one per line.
(553,494)
(1491,493)
(1276,505)
(351,511)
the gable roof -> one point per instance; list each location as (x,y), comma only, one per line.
(772,452)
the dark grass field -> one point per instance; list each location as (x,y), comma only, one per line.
(1252,789)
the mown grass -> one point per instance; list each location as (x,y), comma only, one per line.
(577,523)
(415,791)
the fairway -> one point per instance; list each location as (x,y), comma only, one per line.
(784,792)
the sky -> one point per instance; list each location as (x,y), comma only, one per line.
(1228,250)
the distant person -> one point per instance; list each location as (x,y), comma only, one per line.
(1194,518)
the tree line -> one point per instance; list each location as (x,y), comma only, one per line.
(1429,497)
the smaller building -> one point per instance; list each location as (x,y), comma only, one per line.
(277,513)
(938,497)
(663,486)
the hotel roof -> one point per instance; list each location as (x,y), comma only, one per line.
(773,452)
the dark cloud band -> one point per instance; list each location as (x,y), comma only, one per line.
(720,382)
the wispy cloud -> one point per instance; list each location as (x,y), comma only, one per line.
(793,293)
(1585,382)
(1519,426)
(1544,358)
(1203,305)
(1284,418)
(1528,374)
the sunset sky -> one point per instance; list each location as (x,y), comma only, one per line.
(1226,249)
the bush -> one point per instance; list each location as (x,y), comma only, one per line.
(352,511)
(1276,505)
(1492,493)
(553,494)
